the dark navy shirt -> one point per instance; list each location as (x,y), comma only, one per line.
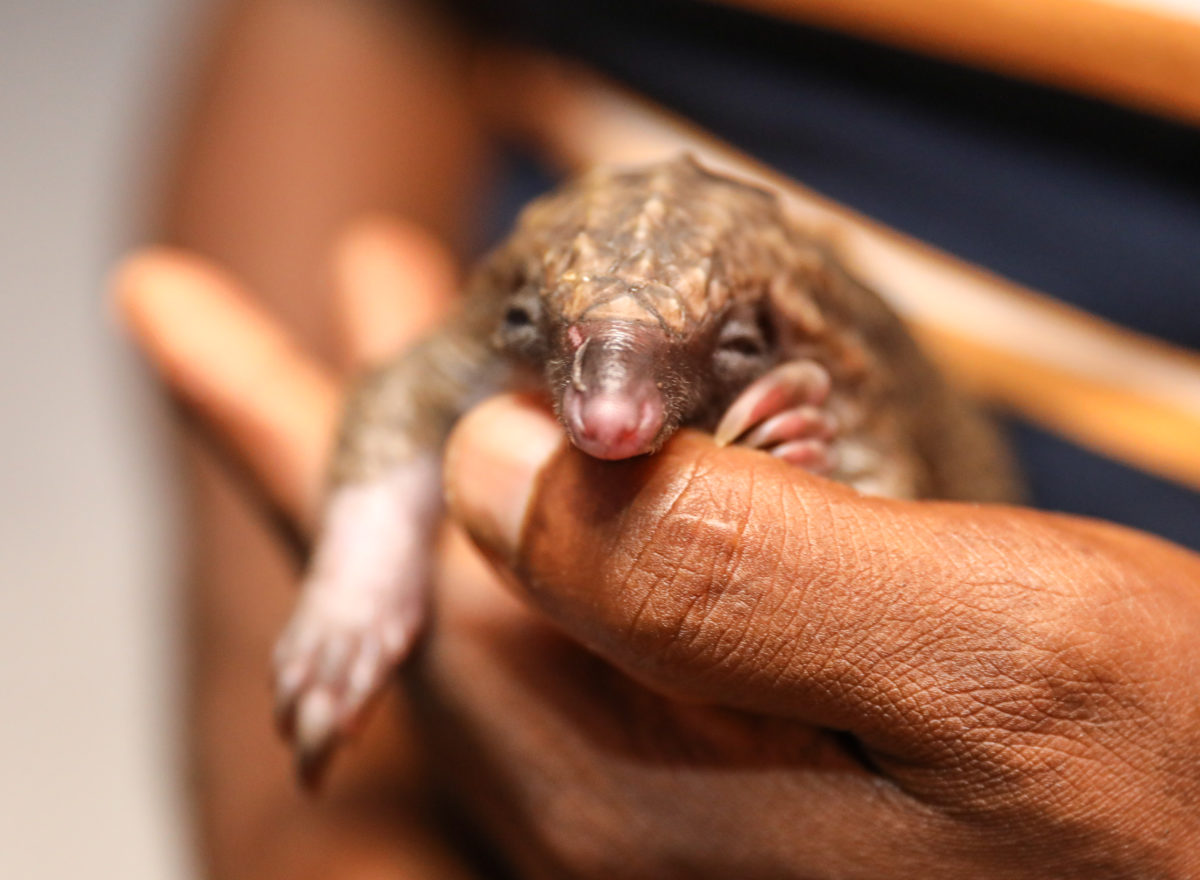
(1095,205)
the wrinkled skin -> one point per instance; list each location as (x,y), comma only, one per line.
(1016,691)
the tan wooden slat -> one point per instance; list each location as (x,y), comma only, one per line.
(1146,59)
(1123,394)
(1140,429)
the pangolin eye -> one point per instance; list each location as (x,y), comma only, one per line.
(743,344)
(742,349)
(742,337)
(519,333)
(517,316)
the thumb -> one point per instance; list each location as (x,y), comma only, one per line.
(726,575)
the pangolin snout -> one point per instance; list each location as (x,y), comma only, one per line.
(612,406)
(614,426)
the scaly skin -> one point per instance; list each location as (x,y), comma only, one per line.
(638,302)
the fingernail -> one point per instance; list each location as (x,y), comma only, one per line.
(492,462)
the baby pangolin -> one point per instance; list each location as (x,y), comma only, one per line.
(637,301)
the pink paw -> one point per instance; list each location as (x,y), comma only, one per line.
(361,608)
(781,413)
(334,656)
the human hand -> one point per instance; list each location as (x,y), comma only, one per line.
(1014,690)
(834,686)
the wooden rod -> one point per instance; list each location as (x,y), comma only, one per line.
(1123,394)
(1145,59)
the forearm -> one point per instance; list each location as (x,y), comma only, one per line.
(310,112)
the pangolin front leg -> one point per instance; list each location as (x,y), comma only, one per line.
(783,412)
(364,598)
(362,604)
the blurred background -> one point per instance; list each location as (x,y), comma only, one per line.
(88,668)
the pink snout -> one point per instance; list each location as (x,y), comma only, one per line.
(614,425)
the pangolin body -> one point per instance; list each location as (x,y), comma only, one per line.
(638,301)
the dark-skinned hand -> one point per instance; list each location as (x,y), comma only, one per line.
(709,663)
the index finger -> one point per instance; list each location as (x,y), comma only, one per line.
(273,404)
